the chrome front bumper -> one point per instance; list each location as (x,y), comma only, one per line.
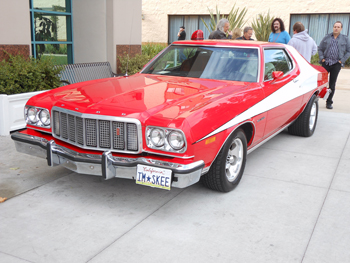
(105,165)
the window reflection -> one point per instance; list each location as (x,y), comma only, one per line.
(56,52)
(50,5)
(50,27)
(276,60)
(224,63)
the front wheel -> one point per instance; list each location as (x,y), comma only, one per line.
(305,124)
(227,169)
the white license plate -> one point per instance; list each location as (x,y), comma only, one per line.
(153,177)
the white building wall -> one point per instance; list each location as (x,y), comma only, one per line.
(89,30)
(14,22)
(100,25)
(155,12)
(127,22)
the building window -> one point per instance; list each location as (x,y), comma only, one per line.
(321,24)
(191,23)
(51,30)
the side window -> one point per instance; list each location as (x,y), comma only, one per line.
(276,60)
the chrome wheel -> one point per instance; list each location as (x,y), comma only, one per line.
(227,169)
(313,116)
(234,160)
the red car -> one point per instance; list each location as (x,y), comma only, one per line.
(193,113)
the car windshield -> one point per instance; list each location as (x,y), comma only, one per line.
(221,63)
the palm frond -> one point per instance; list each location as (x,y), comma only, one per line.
(262,26)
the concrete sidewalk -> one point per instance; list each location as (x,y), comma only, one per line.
(342,93)
(292,205)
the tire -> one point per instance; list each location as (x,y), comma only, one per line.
(305,124)
(228,167)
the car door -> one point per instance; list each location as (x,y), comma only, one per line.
(281,94)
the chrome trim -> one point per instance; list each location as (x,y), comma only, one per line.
(99,117)
(231,45)
(166,147)
(105,165)
(205,170)
(329,91)
(223,128)
(267,139)
(286,51)
(39,122)
(222,145)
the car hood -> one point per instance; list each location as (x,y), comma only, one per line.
(162,99)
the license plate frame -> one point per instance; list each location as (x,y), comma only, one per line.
(153,177)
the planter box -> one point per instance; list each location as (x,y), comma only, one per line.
(12,111)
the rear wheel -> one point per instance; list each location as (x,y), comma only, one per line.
(305,125)
(227,169)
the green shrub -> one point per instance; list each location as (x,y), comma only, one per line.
(347,63)
(315,59)
(152,49)
(134,64)
(20,74)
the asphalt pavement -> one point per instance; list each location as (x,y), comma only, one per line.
(292,205)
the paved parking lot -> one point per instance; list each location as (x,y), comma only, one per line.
(292,205)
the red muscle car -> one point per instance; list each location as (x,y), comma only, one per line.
(193,113)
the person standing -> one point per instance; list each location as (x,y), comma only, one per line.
(333,51)
(278,34)
(247,34)
(236,33)
(221,30)
(302,42)
(182,33)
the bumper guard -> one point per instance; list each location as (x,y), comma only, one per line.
(105,165)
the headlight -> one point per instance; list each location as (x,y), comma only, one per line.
(32,115)
(176,140)
(157,137)
(44,117)
(37,116)
(165,139)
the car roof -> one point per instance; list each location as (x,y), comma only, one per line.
(227,42)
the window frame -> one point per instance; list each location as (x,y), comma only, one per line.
(257,79)
(69,29)
(288,58)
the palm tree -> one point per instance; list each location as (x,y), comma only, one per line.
(235,17)
(262,26)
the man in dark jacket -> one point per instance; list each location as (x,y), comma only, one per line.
(221,30)
(182,33)
(333,51)
(247,34)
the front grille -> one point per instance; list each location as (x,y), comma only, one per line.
(95,132)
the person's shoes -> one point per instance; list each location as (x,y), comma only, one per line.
(329,106)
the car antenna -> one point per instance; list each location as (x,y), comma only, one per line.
(127,63)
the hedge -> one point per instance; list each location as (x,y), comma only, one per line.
(21,74)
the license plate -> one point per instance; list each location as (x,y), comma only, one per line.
(153,177)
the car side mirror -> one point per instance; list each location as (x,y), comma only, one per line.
(277,75)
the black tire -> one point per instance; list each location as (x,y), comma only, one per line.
(228,167)
(305,124)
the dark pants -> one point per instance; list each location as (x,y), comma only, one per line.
(333,71)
